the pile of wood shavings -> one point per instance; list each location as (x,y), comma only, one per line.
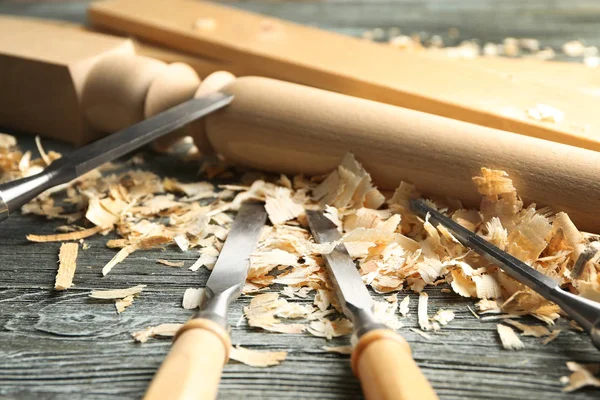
(393,248)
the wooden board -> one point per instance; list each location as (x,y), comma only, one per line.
(313,57)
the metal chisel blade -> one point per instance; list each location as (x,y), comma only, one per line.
(229,273)
(16,193)
(144,132)
(352,292)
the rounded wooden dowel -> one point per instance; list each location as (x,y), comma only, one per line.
(197,129)
(383,363)
(288,128)
(192,369)
(114,93)
(174,85)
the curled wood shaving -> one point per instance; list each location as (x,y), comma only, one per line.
(122,304)
(262,310)
(117,293)
(43,154)
(421,333)
(67,263)
(422,313)
(582,376)
(403,307)
(192,298)
(338,349)
(256,358)
(509,338)
(529,330)
(120,256)
(63,237)
(551,337)
(329,329)
(444,316)
(170,263)
(167,330)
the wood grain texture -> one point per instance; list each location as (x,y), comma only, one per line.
(68,346)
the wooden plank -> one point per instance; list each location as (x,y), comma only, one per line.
(300,54)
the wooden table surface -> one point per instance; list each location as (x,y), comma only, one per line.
(56,345)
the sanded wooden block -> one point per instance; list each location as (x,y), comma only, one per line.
(42,72)
(326,60)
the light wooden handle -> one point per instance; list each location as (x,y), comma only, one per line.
(192,369)
(383,362)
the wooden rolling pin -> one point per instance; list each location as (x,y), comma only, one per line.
(284,50)
(289,128)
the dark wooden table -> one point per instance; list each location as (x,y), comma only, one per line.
(56,345)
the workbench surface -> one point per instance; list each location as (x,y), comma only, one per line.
(65,345)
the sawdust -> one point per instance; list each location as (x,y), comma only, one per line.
(67,263)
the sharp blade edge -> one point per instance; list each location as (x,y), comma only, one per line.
(144,132)
(231,269)
(350,288)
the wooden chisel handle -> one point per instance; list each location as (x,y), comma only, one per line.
(383,362)
(192,369)
(288,128)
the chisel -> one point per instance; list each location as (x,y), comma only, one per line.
(15,194)
(193,367)
(585,312)
(382,359)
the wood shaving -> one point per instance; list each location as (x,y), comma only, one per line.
(170,263)
(582,376)
(192,298)
(329,329)
(529,330)
(165,330)
(510,340)
(256,358)
(421,333)
(422,313)
(67,263)
(551,337)
(120,256)
(117,293)
(182,242)
(122,304)
(338,349)
(262,310)
(65,236)
(403,307)
(208,259)
(444,316)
